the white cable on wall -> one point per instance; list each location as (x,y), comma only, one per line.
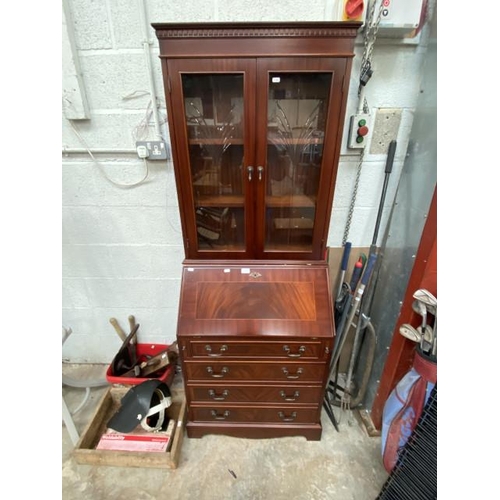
(101,168)
(141,131)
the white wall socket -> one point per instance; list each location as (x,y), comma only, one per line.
(156,150)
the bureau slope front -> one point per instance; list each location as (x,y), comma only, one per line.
(255,343)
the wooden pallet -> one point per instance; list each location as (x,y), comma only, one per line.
(85,452)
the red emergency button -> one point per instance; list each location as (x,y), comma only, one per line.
(362,131)
(354,8)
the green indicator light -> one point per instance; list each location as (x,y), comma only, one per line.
(362,123)
(359,139)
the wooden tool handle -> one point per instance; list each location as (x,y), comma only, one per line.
(131,322)
(118,329)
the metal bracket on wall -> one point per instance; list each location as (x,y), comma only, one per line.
(385,129)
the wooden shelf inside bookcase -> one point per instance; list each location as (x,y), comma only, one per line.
(296,200)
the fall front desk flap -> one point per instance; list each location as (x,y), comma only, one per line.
(243,300)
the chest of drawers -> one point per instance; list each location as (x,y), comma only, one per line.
(255,343)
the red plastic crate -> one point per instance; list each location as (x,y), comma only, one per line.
(144,350)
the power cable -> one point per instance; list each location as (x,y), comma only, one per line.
(101,168)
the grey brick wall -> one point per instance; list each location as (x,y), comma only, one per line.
(122,248)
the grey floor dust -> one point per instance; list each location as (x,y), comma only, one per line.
(344,465)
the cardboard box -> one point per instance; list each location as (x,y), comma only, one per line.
(85,451)
(138,440)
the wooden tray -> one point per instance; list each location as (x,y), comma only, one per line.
(85,452)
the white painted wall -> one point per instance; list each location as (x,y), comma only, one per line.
(122,247)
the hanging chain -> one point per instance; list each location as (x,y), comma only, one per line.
(367,39)
(353,198)
(372,29)
(370,36)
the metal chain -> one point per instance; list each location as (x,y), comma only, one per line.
(375,29)
(353,198)
(367,35)
(369,42)
(371,30)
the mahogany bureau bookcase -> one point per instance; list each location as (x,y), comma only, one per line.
(255,114)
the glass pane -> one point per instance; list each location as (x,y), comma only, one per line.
(213,106)
(297,107)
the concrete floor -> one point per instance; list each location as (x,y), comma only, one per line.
(344,465)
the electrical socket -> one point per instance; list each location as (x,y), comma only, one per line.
(157,150)
(385,129)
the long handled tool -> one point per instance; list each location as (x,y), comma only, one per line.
(341,303)
(346,396)
(357,271)
(364,328)
(345,326)
(342,307)
(342,288)
(126,358)
(344,299)
(118,329)
(366,306)
(343,267)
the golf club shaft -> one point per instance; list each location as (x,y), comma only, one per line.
(388,169)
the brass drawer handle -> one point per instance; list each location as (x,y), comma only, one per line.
(223,372)
(297,375)
(222,350)
(222,397)
(291,418)
(295,396)
(298,355)
(219,417)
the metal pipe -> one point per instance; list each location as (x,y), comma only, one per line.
(78,151)
(147,54)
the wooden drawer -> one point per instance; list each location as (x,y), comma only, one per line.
(253,371)
(275,393)
(257,348)
(262,414)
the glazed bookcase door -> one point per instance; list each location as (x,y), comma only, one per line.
(296,142)
(214,120)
